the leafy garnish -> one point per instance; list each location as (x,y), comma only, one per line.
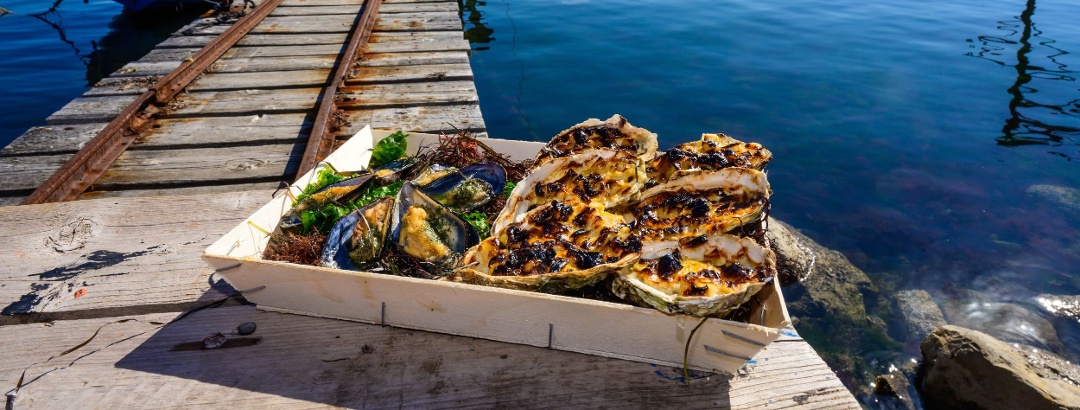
(372,193)
(389,149)
(479,221)
(508,188)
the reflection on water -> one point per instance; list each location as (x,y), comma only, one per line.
(1033,122)
(53,51)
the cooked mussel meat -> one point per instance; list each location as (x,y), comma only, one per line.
(370,231)
(426,230)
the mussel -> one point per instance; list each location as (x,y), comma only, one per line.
(426,230)
(340,192)
(370,231)
(468,188)
(335,252)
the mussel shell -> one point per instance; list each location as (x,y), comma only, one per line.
(370,231)
(426,230)
(393,171)
(335,252)
(339,192)
(468,188)
(701,276)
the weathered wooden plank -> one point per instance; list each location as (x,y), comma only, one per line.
(20,175)
(356,365)
(397,95)
(310,3)
(258,40)
(285,51)
(418,22)
(238,186)
(417,7)
(350,9)
(224,131)
(90,109)
(243,102)
(219,81)
(201,166)
(262,80)
(432,119)
(414,73)
(235,65)
(52,139)
(131,256)
(416,41)
(294,25)
(122,85)
(385,8)
(401,59)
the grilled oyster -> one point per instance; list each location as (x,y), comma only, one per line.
(711,153)
(616,133)
(701,204)
(554,248)
(702,276)
(598,178)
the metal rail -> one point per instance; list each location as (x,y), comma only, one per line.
(321,139)
(87,165)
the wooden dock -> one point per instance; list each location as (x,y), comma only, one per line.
(106,302)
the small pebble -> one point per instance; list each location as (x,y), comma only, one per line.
(245,328)
(367,349)
(214,341)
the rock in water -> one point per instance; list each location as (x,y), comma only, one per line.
(893,391)
(963,368)
(920,314)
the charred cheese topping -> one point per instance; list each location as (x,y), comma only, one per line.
(593,183)
(713,152)
(615,134)
(559,237)
(418,237)
(683,214)
(678,276)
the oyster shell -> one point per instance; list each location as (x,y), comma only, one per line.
(711,153)
(599,178)
(616,133)
(426,230)
(702,276)
(701,204)
(556,247)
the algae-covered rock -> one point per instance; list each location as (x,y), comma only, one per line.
(964,368)
(893,391)
(919,313)
(830,305)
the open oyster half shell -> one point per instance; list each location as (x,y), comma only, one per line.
(701,276)
(615,133)
(556,247)
(700,204)
(712,152)
(599,178)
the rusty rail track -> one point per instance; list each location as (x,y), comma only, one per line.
(91,162)
(321,139)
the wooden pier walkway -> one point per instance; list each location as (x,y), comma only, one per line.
(106,301)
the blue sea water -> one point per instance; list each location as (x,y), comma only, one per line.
(53,51)
(906,134)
